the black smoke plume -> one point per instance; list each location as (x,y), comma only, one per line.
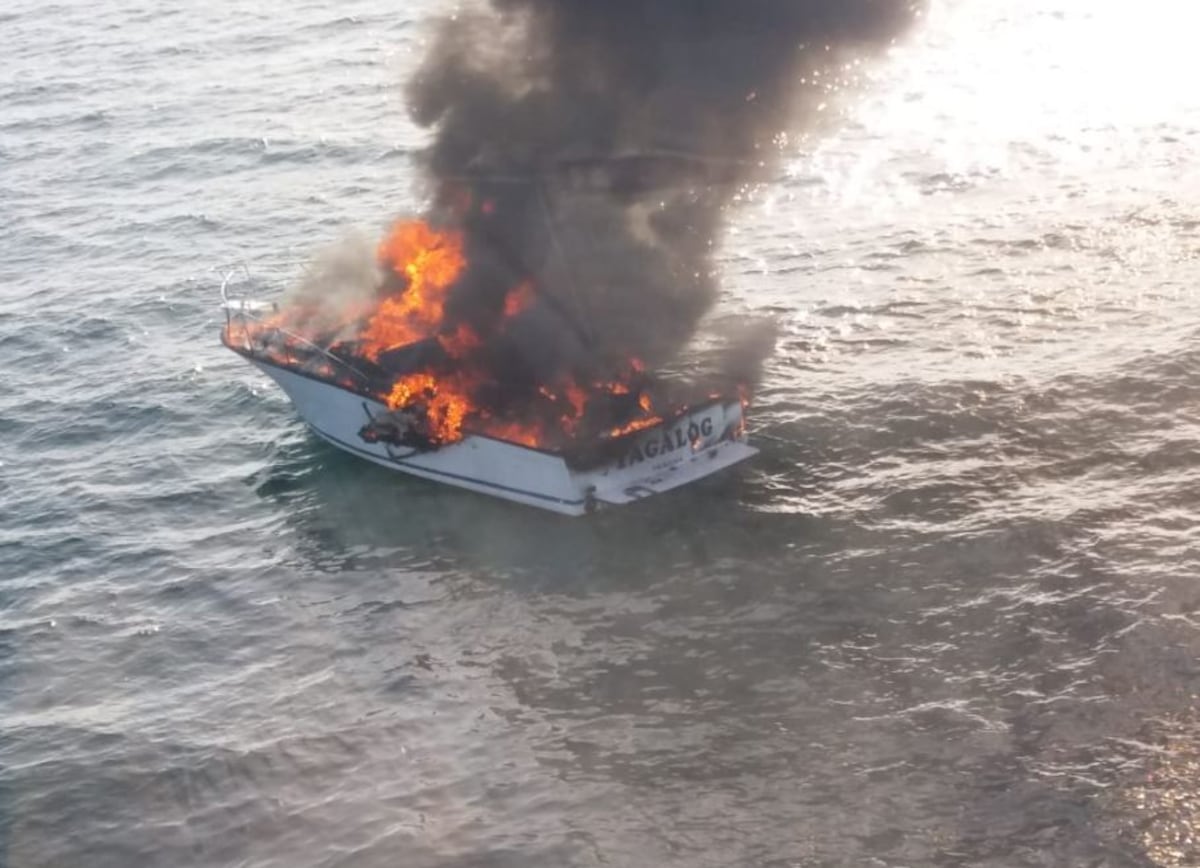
(593,147)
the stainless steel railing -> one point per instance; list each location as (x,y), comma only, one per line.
(248,329)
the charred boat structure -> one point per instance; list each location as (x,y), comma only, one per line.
(423,407)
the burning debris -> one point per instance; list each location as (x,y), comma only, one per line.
(583,157)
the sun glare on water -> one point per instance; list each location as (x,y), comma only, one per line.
(1091,83)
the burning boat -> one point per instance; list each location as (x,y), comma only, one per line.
(395,377)
(525,338)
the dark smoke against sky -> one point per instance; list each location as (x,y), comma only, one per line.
(593,146)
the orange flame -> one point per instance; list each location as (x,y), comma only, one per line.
(636,425)
(430,261)
(524,433)
(461,341)
(518,299)
(444,402)
(443,406)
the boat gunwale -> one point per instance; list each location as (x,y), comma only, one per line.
(564,454)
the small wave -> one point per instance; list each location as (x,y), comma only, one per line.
(336,25)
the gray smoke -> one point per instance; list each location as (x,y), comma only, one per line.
(341,280)
(594,146)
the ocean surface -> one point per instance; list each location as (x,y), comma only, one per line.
(950,616)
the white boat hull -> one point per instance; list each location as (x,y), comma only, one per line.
(690,447)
